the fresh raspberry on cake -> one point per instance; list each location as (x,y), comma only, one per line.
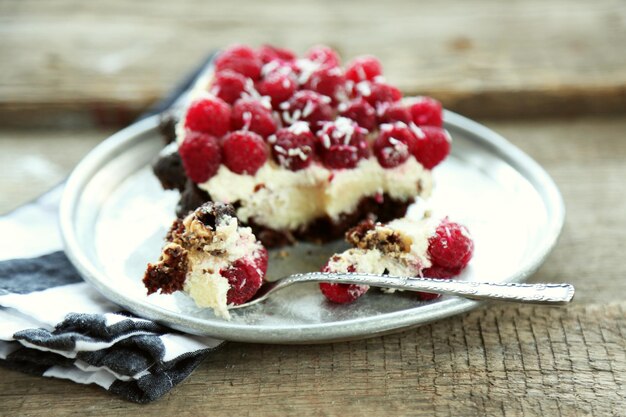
(439,272)
(363,68)
(260,259)
(269,53)
(426,111)
(201,155)
(210,257)
(393,112)
(432,145)
(395,143)
(293,147)
(228,85)
(279,86)
(361,112)
(253,115)
(328,81)
(244,152)
(451,246)
(342,143)
(307,106)
(241,59)
(378,92)
(244,279)
(208,114)
(342,293)
(323,55)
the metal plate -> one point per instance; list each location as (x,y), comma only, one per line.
(114,216)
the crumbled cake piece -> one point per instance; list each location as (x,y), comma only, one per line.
(405,247)
(168,167)
(211,258)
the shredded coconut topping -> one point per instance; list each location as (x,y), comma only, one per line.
(308,108)
(364,88)
(307,68)
(299,128)
(251,92)
(419,133)
(344,127)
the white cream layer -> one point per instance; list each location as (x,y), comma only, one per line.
(281,199)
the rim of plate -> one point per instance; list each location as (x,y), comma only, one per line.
(368,326)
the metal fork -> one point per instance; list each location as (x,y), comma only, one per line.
(546,294)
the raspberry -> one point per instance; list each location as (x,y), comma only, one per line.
(379,92)
(432,146)
(308,106)
(342,293)
(394,144)
(323,55)
(250,114)
(245,280)
(293,147)
(278,85)
(269,53)
(341,157)
(244,152)
(201,155)
(328,81)
(393,112)
(209,115)
(342,143)
(363,68)
(228,85)
(451,247)
(361,112)
(440,272)
(426,111)
(241,59)
(260,260)
(284,67)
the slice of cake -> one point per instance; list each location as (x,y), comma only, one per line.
(428,247)
(211,258)
(301,147)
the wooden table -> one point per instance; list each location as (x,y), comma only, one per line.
(64,86)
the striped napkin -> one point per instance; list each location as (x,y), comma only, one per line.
(53,324)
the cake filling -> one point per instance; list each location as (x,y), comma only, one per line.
(284,199)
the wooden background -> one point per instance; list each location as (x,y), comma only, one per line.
(73,72)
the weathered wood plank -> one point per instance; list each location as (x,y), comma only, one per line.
(34,161)
(101,63)
(500,360)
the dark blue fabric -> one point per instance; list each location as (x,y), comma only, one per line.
(22,276)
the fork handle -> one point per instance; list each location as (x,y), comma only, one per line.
(547,294)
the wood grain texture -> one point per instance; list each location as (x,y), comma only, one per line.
(501,360)
(85,63)
(33,161)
